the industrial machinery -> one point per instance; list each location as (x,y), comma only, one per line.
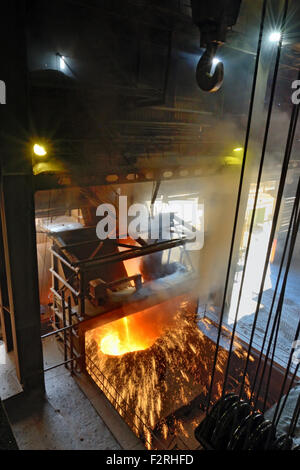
(113,278)
(213,19)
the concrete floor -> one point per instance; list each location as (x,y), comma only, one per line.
(9,384)
(63,420)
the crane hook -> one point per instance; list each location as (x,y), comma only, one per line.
(207,81)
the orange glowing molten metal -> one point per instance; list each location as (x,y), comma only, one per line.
(119,340)
(129,334)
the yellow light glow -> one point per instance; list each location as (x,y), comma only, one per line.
(39,150)
(238,149)
(232,161)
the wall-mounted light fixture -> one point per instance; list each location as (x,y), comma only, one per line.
(39,150)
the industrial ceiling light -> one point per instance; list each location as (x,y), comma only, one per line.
(238,149)
(39,150)
(62,63)
(275,36)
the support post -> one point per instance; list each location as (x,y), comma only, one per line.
(17,213)
(17,202)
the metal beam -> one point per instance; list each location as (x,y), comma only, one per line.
(130,254)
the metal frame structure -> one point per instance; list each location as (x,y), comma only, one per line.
(81,267)
(67,334)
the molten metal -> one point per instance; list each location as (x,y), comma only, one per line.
(119,340)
